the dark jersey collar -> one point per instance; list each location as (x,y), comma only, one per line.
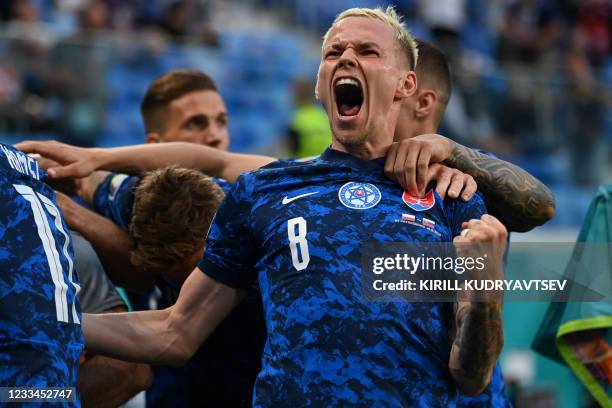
(336,156)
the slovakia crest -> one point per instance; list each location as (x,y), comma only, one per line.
(359,196)
(420,203)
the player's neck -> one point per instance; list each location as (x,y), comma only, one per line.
(364,151)
(409,128)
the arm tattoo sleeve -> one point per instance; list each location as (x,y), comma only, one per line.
(518,199)
(478,341)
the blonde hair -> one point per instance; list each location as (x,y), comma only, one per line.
(393,20)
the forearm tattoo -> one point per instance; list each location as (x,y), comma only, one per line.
(478,340)
(518,199)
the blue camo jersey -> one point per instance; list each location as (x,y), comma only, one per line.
(298,228)
(40,333)
(114,197)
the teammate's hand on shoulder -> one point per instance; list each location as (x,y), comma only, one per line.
(451,182)
(73,161)
(408,160)
(69,185)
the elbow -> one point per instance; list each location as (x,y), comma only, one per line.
(528,221)
(548,212)
(547,208)
(545,214)
(181,357)
(182,351)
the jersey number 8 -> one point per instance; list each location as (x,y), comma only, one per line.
(298,243)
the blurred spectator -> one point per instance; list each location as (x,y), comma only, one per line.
(529,29)
(27,44)
(586,110)
(595,26)
(445,18)
(78,78)
(186,19)
(309,134)
(528,39)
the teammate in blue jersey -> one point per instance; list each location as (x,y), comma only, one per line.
(326,345)
(40,333)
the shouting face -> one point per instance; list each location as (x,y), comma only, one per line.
(362,78)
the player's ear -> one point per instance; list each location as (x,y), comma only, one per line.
(426,103)
(407,85)
(153,137)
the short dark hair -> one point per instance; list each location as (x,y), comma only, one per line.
(433,68)
(173,210)
(166,89)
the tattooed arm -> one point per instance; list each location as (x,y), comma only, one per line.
(477,344)
(478,331)
(518,199)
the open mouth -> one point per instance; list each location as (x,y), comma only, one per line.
(349,96)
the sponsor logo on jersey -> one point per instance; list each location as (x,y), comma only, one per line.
(420,203)
(359,196)
(287,200)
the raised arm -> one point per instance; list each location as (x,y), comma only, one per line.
(519,200)
(478,335)
(168,336)
(80,162)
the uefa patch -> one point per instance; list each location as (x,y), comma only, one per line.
(115,183)
(359,196)
(420,203)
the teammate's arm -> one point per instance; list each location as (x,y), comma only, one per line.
(80,162)
(112,244)
(107,382)
(518,199)
(168,336)
(478,337)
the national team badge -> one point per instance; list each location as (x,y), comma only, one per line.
(420,203)
(359,196)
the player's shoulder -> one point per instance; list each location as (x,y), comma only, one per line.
(116,183)
(16,164)
(225,185)
(290,168)
(460,209)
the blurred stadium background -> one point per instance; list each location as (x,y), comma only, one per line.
(532,83)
